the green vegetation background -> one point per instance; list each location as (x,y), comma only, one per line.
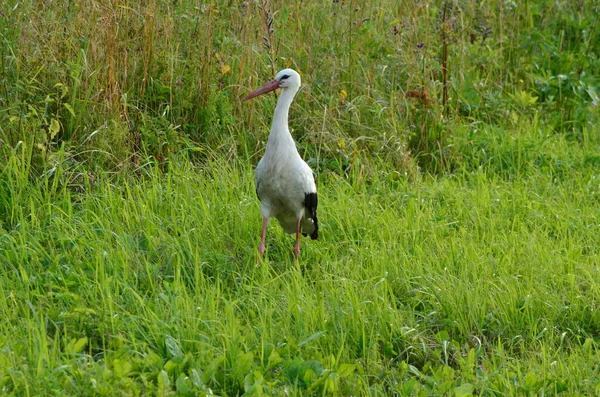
(457,150)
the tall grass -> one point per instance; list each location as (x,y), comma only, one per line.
(459,248)
(120,78)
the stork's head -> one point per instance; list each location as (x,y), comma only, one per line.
(286,79)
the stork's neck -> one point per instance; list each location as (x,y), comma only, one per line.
(280,139)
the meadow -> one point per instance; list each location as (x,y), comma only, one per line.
(457,152)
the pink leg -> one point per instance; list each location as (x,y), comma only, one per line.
(263,235)
(297,246)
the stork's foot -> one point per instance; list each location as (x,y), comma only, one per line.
(296,250)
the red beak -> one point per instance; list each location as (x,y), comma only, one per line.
(270,86)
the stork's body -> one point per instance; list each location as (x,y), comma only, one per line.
(285,184)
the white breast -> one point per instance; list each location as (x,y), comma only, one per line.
(282,182)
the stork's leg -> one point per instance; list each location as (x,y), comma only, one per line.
(297,246)
(263,235)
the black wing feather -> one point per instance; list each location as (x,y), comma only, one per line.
(310,204)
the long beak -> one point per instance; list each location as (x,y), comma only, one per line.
(270,86)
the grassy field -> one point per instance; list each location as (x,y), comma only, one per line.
(457,149)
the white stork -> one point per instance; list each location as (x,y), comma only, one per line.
(285,184)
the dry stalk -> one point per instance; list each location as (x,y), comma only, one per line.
(268,37)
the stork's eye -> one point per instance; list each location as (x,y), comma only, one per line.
(285,76)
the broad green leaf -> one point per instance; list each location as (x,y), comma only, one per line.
(172,346)
(164,382)
(54,128)
(69,108)
(345,369)
(274,360)
(466,389)
(122,367)
(197,379)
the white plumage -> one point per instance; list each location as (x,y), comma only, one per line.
(285,184)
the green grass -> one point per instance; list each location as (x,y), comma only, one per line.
(459,247)
(151,284)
